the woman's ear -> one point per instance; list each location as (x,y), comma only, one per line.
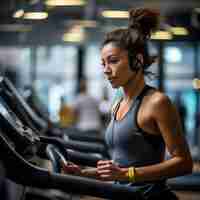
(136,62)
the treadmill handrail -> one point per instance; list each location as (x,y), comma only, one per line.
(27,174)
(76,145)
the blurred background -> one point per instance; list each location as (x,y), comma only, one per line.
(48,46)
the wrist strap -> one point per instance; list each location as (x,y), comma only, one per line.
(131,174)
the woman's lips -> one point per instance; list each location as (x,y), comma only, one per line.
(111,79)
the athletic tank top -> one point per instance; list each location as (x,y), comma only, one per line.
(128,144)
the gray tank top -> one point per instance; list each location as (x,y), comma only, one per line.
(128,144)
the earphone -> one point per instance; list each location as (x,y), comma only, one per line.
(134,62)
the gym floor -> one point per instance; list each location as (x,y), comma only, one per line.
(182,195)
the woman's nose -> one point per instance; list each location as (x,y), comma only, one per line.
(106,69)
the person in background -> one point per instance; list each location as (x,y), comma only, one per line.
(144,122)
(86,108)
(66,114)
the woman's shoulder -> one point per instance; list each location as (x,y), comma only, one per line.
(157,99)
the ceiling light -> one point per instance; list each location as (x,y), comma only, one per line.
(75,34)
(87,23)
(82,23)
(161,35)
(73,37)
(18,13)
(115,14)
(65,2)
(179,30)
(35,15)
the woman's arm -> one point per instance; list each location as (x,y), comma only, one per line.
(180,163)
(89,172)
(73,169)
(168,122)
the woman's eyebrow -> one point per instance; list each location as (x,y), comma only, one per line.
(112,55)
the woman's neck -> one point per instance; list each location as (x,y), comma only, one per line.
(134,87)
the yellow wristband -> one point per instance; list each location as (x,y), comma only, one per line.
(131,174)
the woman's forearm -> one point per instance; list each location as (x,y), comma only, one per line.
(90,173)
(170,168)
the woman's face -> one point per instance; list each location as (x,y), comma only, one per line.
(116,65)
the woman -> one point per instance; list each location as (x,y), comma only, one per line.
(144,122)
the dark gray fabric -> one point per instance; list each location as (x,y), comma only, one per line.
(128,144)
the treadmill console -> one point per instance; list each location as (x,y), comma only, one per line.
(21,137)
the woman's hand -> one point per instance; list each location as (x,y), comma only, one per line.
(71,168)
(110,171)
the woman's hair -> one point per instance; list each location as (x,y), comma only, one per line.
(142,22)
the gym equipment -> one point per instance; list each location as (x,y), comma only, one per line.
(185,183)
(18,144)
(16,102)
(87,136)
(33,120)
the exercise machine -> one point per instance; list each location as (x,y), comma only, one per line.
(19,144)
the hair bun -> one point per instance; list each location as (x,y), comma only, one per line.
(144,20)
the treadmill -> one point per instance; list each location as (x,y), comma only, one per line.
(37,121)
(17,103)
(19,144)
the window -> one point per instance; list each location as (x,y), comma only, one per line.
(179,72)
(56,73)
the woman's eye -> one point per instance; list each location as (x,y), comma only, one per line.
(114,61)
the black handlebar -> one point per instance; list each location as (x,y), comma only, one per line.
(76,145)
(22,172)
